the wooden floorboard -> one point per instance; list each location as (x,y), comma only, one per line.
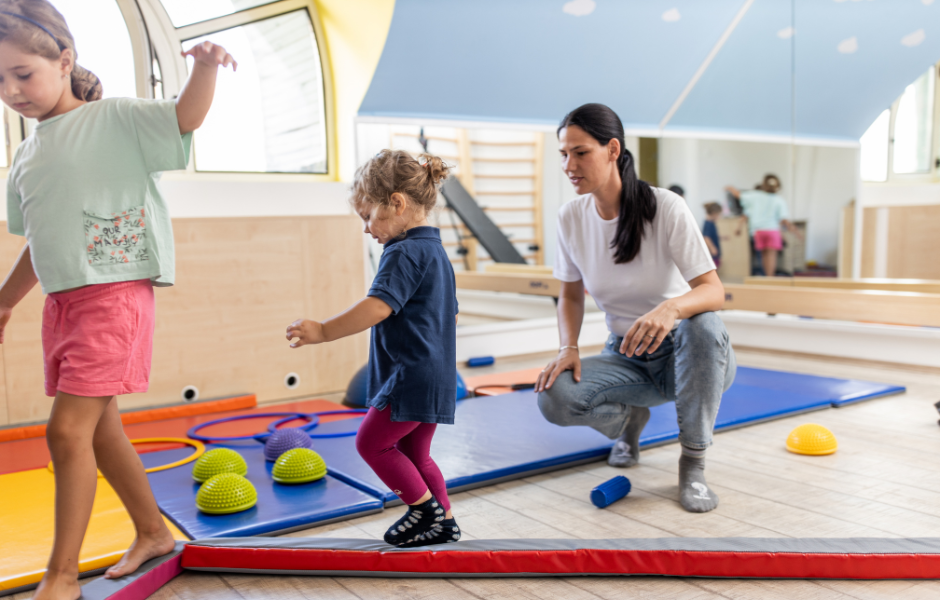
(882,482)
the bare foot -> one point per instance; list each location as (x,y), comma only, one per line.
(143,549)
(58,587)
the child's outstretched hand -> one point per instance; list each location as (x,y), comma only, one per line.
(306,331)
(211,55)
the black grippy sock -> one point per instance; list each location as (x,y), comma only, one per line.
(419,519)
(444,532)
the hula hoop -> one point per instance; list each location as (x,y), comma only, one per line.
(198,446)
(314,420)
(355,411)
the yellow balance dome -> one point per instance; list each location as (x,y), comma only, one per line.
(812,439)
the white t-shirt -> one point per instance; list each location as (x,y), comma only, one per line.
(672,253)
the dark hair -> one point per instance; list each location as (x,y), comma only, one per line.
(637,201)
(713,208)
(766,183)
(677,189)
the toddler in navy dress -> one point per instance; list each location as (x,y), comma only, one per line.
(412,310)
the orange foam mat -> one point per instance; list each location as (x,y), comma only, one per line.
(22,455)
(146,415)
(498,383)
(26,522)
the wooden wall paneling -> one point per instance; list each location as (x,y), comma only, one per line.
(239,283)
(898,308)
(735,249)
(25,398)
(332,281)
(221,327)
(914,242)
(846,241)
(538,199)
(922,286)
(869,240)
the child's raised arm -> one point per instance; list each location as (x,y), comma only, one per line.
(194,101)
(362,315)
(21,279)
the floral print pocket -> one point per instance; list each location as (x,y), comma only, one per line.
(115,239)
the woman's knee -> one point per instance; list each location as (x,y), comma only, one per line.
(703,331)
(558,403)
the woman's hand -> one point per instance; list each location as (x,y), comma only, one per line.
(649,331)
(307,332)
(212,55)
(567,360)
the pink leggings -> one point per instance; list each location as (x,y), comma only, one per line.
(400,454)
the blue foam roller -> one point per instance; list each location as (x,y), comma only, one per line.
(610,491)
(480,361)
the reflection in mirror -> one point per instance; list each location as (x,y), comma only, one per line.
(874,149)
(913,126)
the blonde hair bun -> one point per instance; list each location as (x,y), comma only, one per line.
(392,171)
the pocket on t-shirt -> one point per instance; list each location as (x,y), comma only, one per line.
(116,239)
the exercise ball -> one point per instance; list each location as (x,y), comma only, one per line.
(812,439)
(217,461)
(226,493)
(357,393)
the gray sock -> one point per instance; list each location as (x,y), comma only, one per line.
(626,450)
(694,493)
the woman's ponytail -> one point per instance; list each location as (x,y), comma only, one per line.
(637,200)
(85,84)
(637,208)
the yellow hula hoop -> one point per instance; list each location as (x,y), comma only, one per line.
(198,446)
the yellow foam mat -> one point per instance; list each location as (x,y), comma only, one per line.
(26,527)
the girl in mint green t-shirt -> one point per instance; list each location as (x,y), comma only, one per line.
(82,190)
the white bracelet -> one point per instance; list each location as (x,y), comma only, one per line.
(567,347)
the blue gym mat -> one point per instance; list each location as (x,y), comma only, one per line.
(499,438)
(838,391)
(495,439)
(280,508)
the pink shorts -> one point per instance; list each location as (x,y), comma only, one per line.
(98,340)
(768,239)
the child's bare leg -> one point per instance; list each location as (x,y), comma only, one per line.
(121,466)
(69,435)
(769,258)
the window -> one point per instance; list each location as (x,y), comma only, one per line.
(902,143)
(187,12)
(269,116)
(109,56)
(874,154)
(913,126)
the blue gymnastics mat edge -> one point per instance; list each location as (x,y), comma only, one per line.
(890,391)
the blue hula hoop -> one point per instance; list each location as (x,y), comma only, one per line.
(357,411)
(291,416)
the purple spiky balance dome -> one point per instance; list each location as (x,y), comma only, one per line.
(283,440)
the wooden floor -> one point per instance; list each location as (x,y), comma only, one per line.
(883,482)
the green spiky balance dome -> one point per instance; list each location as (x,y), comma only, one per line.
(300,465)
(217,461)
(226,493)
